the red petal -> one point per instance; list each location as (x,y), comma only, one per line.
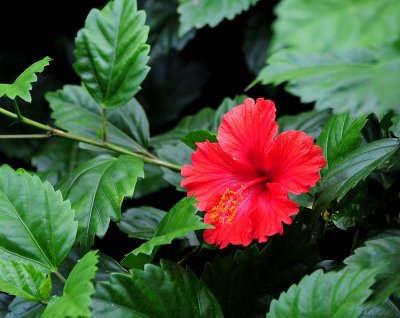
(273,207)
(294,161)
(212,172)
(247,131)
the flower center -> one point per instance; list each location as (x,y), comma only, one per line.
(226,209)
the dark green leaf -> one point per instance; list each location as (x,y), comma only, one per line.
(319,295)
(22,85)
(197,14)
(169,291)
(96,190)
(141,222)
(340,137)
(385,310)
(4,302)
(21,308)
(74,110)
(152,182)
(111,52)
(194,136)
(75,300)
(38,226)
(179,221)
(226,105)
(350,170)
(22,280)
(395,128)
(106,266)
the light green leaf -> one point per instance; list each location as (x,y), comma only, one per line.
(331,24)
(169,291)
(179,221)
(75,111)
(141,222)
(194,136)
(111,52)
(75,300)
(22,85)
(395,128)
(340,136)
(355,82)
(197,14)
(22,280)
(38,226)
(335,294)
(226,105)
(351,169)
(96,190)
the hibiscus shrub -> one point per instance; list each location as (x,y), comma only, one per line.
(295,215)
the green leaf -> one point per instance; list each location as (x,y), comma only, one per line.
(75,111)
(385,310)
(351,169)
(21,308)
(395,128)
(340,136)
(22,280)
(179,221)
(310,122)
(169,291)
(38,226)
(334,25)
(75,300)
(197,14)
(335,294)
(111,52)
(151,183)
(22,85)
(194,136)
(141,222)
(226,105)
(163,21)
(96,190)
(354,82)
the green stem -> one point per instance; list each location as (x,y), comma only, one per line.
(104,115)
(31,136)
(60,277)
(57,132)
(17,111)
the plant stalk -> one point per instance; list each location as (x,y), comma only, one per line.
(27,136)
(60,276)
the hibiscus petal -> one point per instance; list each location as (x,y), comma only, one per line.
(247,131)
(273,207)
(212,172)
(294,161)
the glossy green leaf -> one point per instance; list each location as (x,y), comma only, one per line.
(22,280)
(179,221)
(194,136)
(163,21)
(21,308)
(152,182)
(354,82)
(197,14)
(334,294)
(351,169)
(226,105)
(385,310)
(22,85)
(111,52)
(169,291)
(395,128)
(141,222)
(75,300)
(340,136)
(331,24)
(38,226)
(75,111)
(96,190)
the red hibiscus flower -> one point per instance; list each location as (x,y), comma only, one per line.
(242,182)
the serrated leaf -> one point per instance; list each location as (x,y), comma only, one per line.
(22,85)
(75,300)
(74,110)
(339,137)
(354,82)
(96,190)
(332,22)
(334,294)
(351,169)
(226,105)
(194,136)
(385,310)
(169,291)
(197,14)
(21,308)
(38,226)
(111,52)
(163,21)
(22,280)
(106,266)
(141,222)
(179,221)
(395,128)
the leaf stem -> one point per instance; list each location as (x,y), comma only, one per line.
(27,136)
(147,158)
(104,115)
(60,277)
(191,252)
(17,111)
